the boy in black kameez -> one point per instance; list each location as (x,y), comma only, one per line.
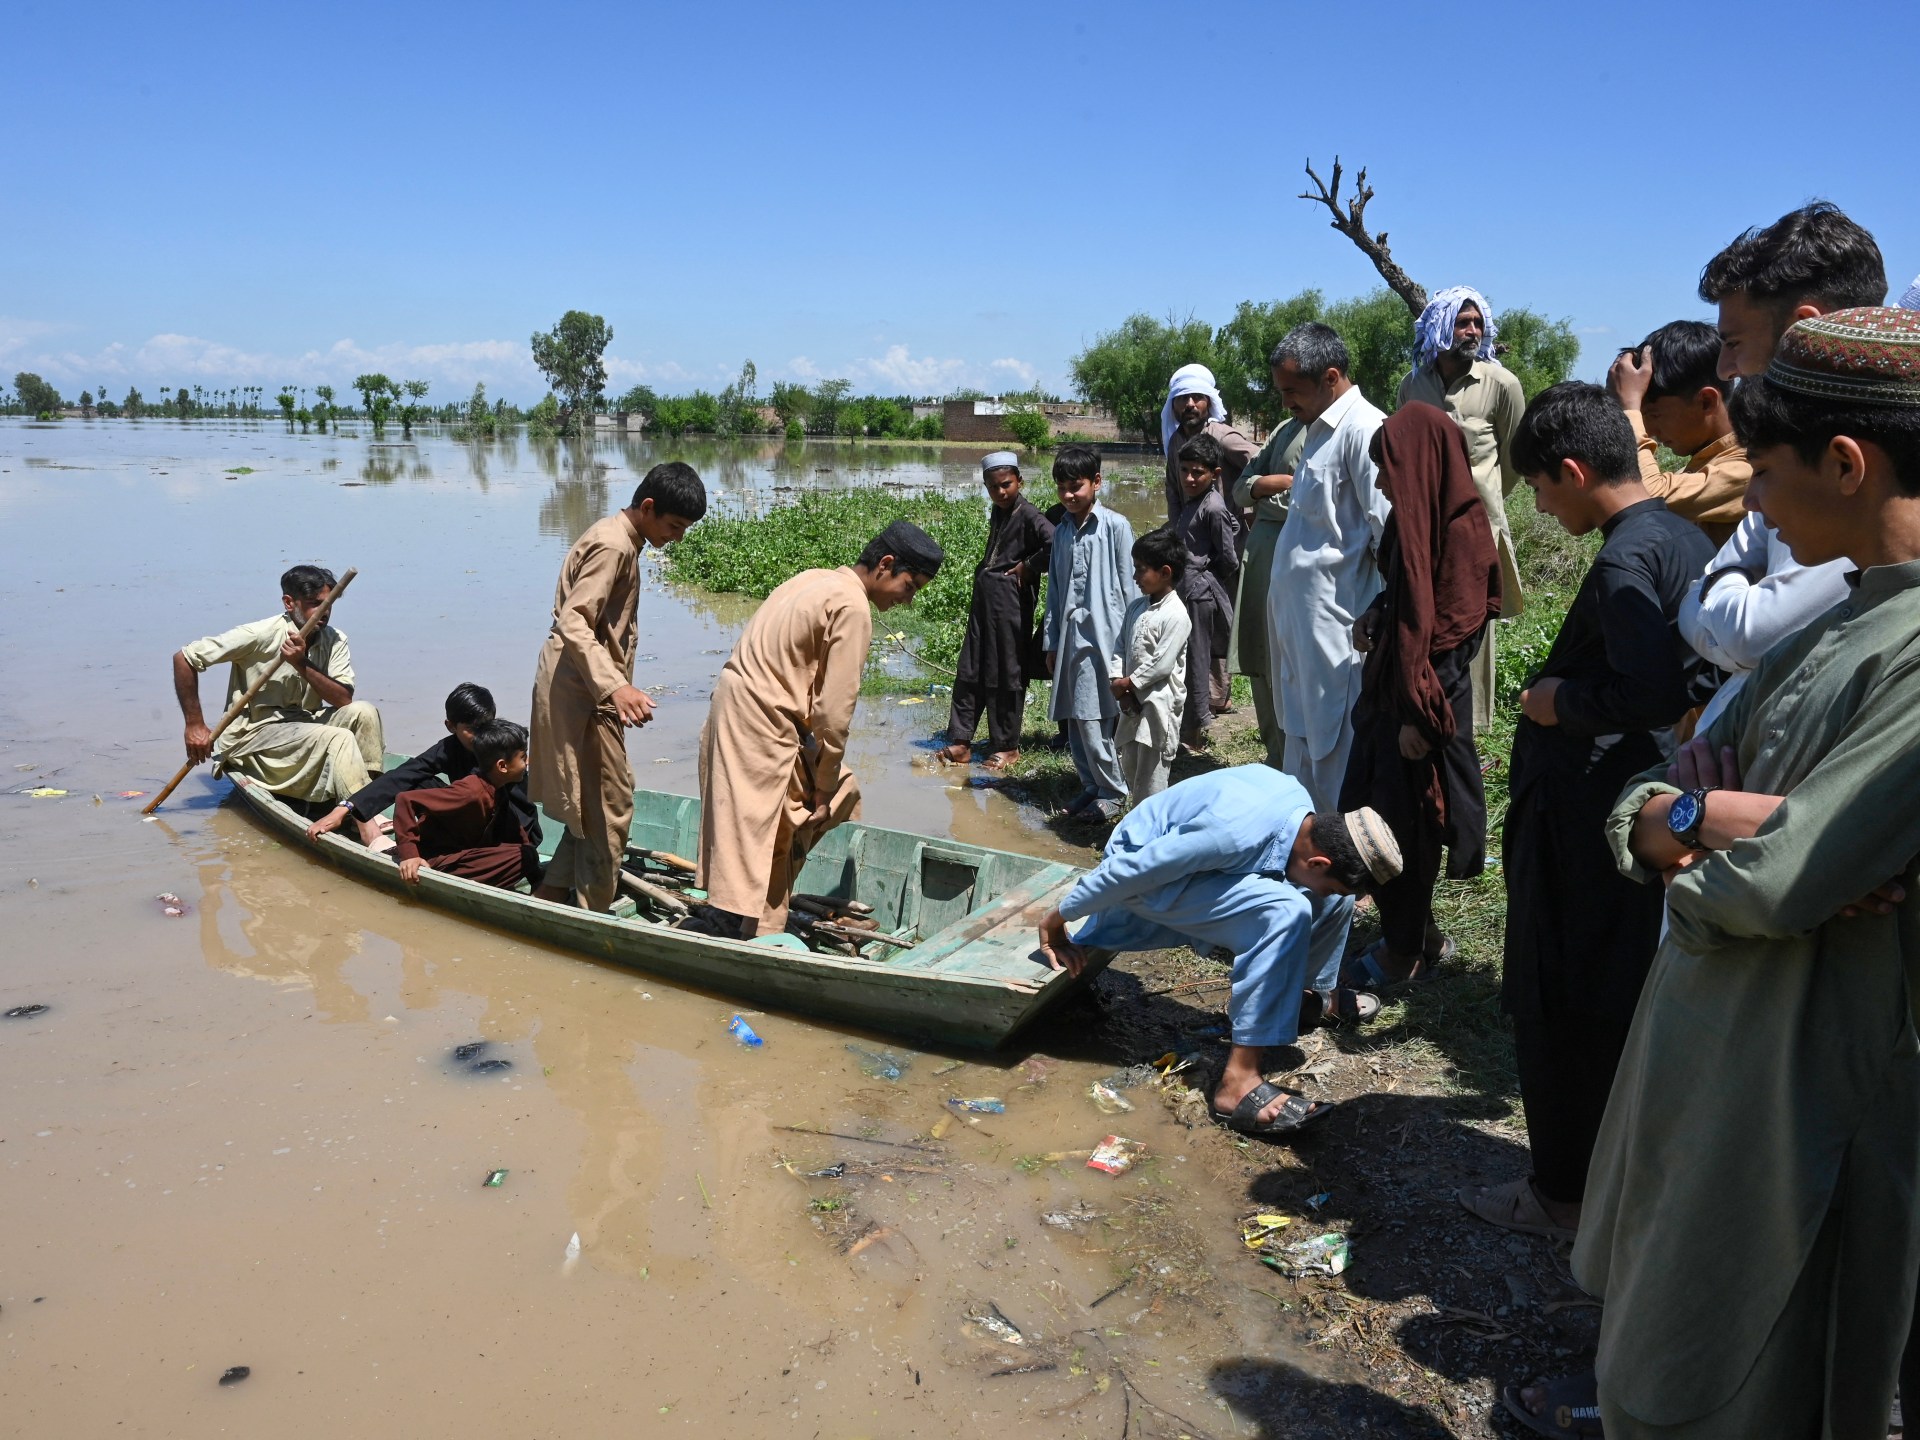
(999,656)
(1209,583)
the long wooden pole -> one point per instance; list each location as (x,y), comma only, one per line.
(314,622)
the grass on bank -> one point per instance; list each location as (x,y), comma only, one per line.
(1453,1028)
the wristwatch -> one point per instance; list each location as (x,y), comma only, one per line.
(1689,812)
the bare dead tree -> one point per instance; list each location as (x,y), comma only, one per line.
(1351,222)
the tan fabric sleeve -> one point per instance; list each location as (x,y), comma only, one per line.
(843,661)
(1507,410)
(578,616)
(255,641)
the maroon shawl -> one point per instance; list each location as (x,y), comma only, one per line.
(1441,568)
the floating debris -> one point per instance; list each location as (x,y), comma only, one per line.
(830,1172)
(880,1064)
(998,1325)
(1115,1155)
(984,1105)
(573,1248)
(495,1179)
(235,1374)
(1109,1100)
(26,1012)
(949,1067)
(1035,1069)
(131,794)
(1322,1255)
(488,1067)
(1259,1229)
(1039,1367)
(1081,1214)
(472,1050)
(45,792)
(1316,1201)
(171,905)
(743,1032)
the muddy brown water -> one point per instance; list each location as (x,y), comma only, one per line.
(236,1137)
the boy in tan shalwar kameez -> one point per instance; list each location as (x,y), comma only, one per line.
(773,777)
(583,692)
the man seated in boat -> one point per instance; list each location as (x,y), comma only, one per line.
(772,773)
(469,828)
(303,736)
(468,707)
(1231,858)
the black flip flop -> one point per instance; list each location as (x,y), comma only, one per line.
(1572,1411)
(1296,1114)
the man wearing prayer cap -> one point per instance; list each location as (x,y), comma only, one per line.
(998,657)
(1232,858)
(1750,1218)
(1454,370)
(773,777)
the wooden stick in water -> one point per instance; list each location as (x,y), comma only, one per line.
(235,710)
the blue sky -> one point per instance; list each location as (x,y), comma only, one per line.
(912,197)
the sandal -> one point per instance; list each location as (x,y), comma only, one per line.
(1350,1007)
(1513,1206)
(1571,1408)
(1297,1113)
(1364,971)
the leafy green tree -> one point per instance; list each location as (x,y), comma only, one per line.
(851,419)
(86,402)
(543,421)
(322,407)
(1241,348)
(823,407)
(671,415)
(1127,369)
(1540,351)
(930,427)
(182,405)
(570,356)
(792,403)
(133,407)
(286,401)
(740,403)
(305,417)
(795,430)
(640,400)
(413,410)
(1029,426)
(36,396)
(373,391)
(887,417)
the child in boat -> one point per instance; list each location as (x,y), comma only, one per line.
(467,828)
(1086,601)
(1151,684)
(448,760)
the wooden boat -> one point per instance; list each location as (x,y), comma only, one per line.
(968,975)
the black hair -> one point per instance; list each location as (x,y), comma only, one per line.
(469,704)
(1076,462)
(1576,421)
(1333,839)
(497,740)
(1162,549)
(1203,450)
(1313,348)
(1686,354)
(1811,256)
(305,582)
(877,550)
(675,489)
(1764,415)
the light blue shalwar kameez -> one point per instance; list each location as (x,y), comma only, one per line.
(1204,863)
(1089,583)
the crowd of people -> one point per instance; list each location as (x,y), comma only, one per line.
(1712,953)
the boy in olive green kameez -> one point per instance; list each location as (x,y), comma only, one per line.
(1750,1219)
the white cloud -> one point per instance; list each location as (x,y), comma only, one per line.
(1023,372)
(901,370)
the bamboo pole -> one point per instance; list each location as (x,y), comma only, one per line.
(314,622)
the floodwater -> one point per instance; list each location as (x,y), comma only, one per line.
(236,1136)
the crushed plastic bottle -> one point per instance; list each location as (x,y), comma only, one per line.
(984,1105)
(743,1032)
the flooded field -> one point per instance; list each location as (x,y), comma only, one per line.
(240,1136)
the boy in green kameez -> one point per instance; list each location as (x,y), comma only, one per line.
(1750,1218)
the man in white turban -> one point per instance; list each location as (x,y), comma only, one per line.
(1194,407)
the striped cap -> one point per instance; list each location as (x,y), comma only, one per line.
(1869,355)
(1375,842)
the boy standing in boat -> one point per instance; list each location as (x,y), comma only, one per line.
(773,777)
(468,828)
(583,693)
(304,736)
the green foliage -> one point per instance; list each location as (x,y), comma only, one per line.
(1030,427)
(413,411)
(1540,351)
(36,396)
(369,386)
(182,403)
(1552,564)
(570,356)
(795,430)
(738,411)
(133,407)
(823,406)
(1127,369)
(852,419)
(543,421)
(640,400)
(752,555)
(930,427)
(792,403)
(286,401)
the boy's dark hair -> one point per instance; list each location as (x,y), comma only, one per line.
(469,704)
(305,582)
(1076,462)
(675,489)
(1333,839)
(1203,450)
(495,740)
(1765,415)
(1162,549)
(1314,349)
(1811,256)
(1576,421)
(1686,354)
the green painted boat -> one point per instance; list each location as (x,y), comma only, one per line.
(969,976)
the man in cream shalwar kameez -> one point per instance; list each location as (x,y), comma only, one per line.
(773,774)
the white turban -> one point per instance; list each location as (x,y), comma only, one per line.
(1911,300)
(1433,331)
(1188,380)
